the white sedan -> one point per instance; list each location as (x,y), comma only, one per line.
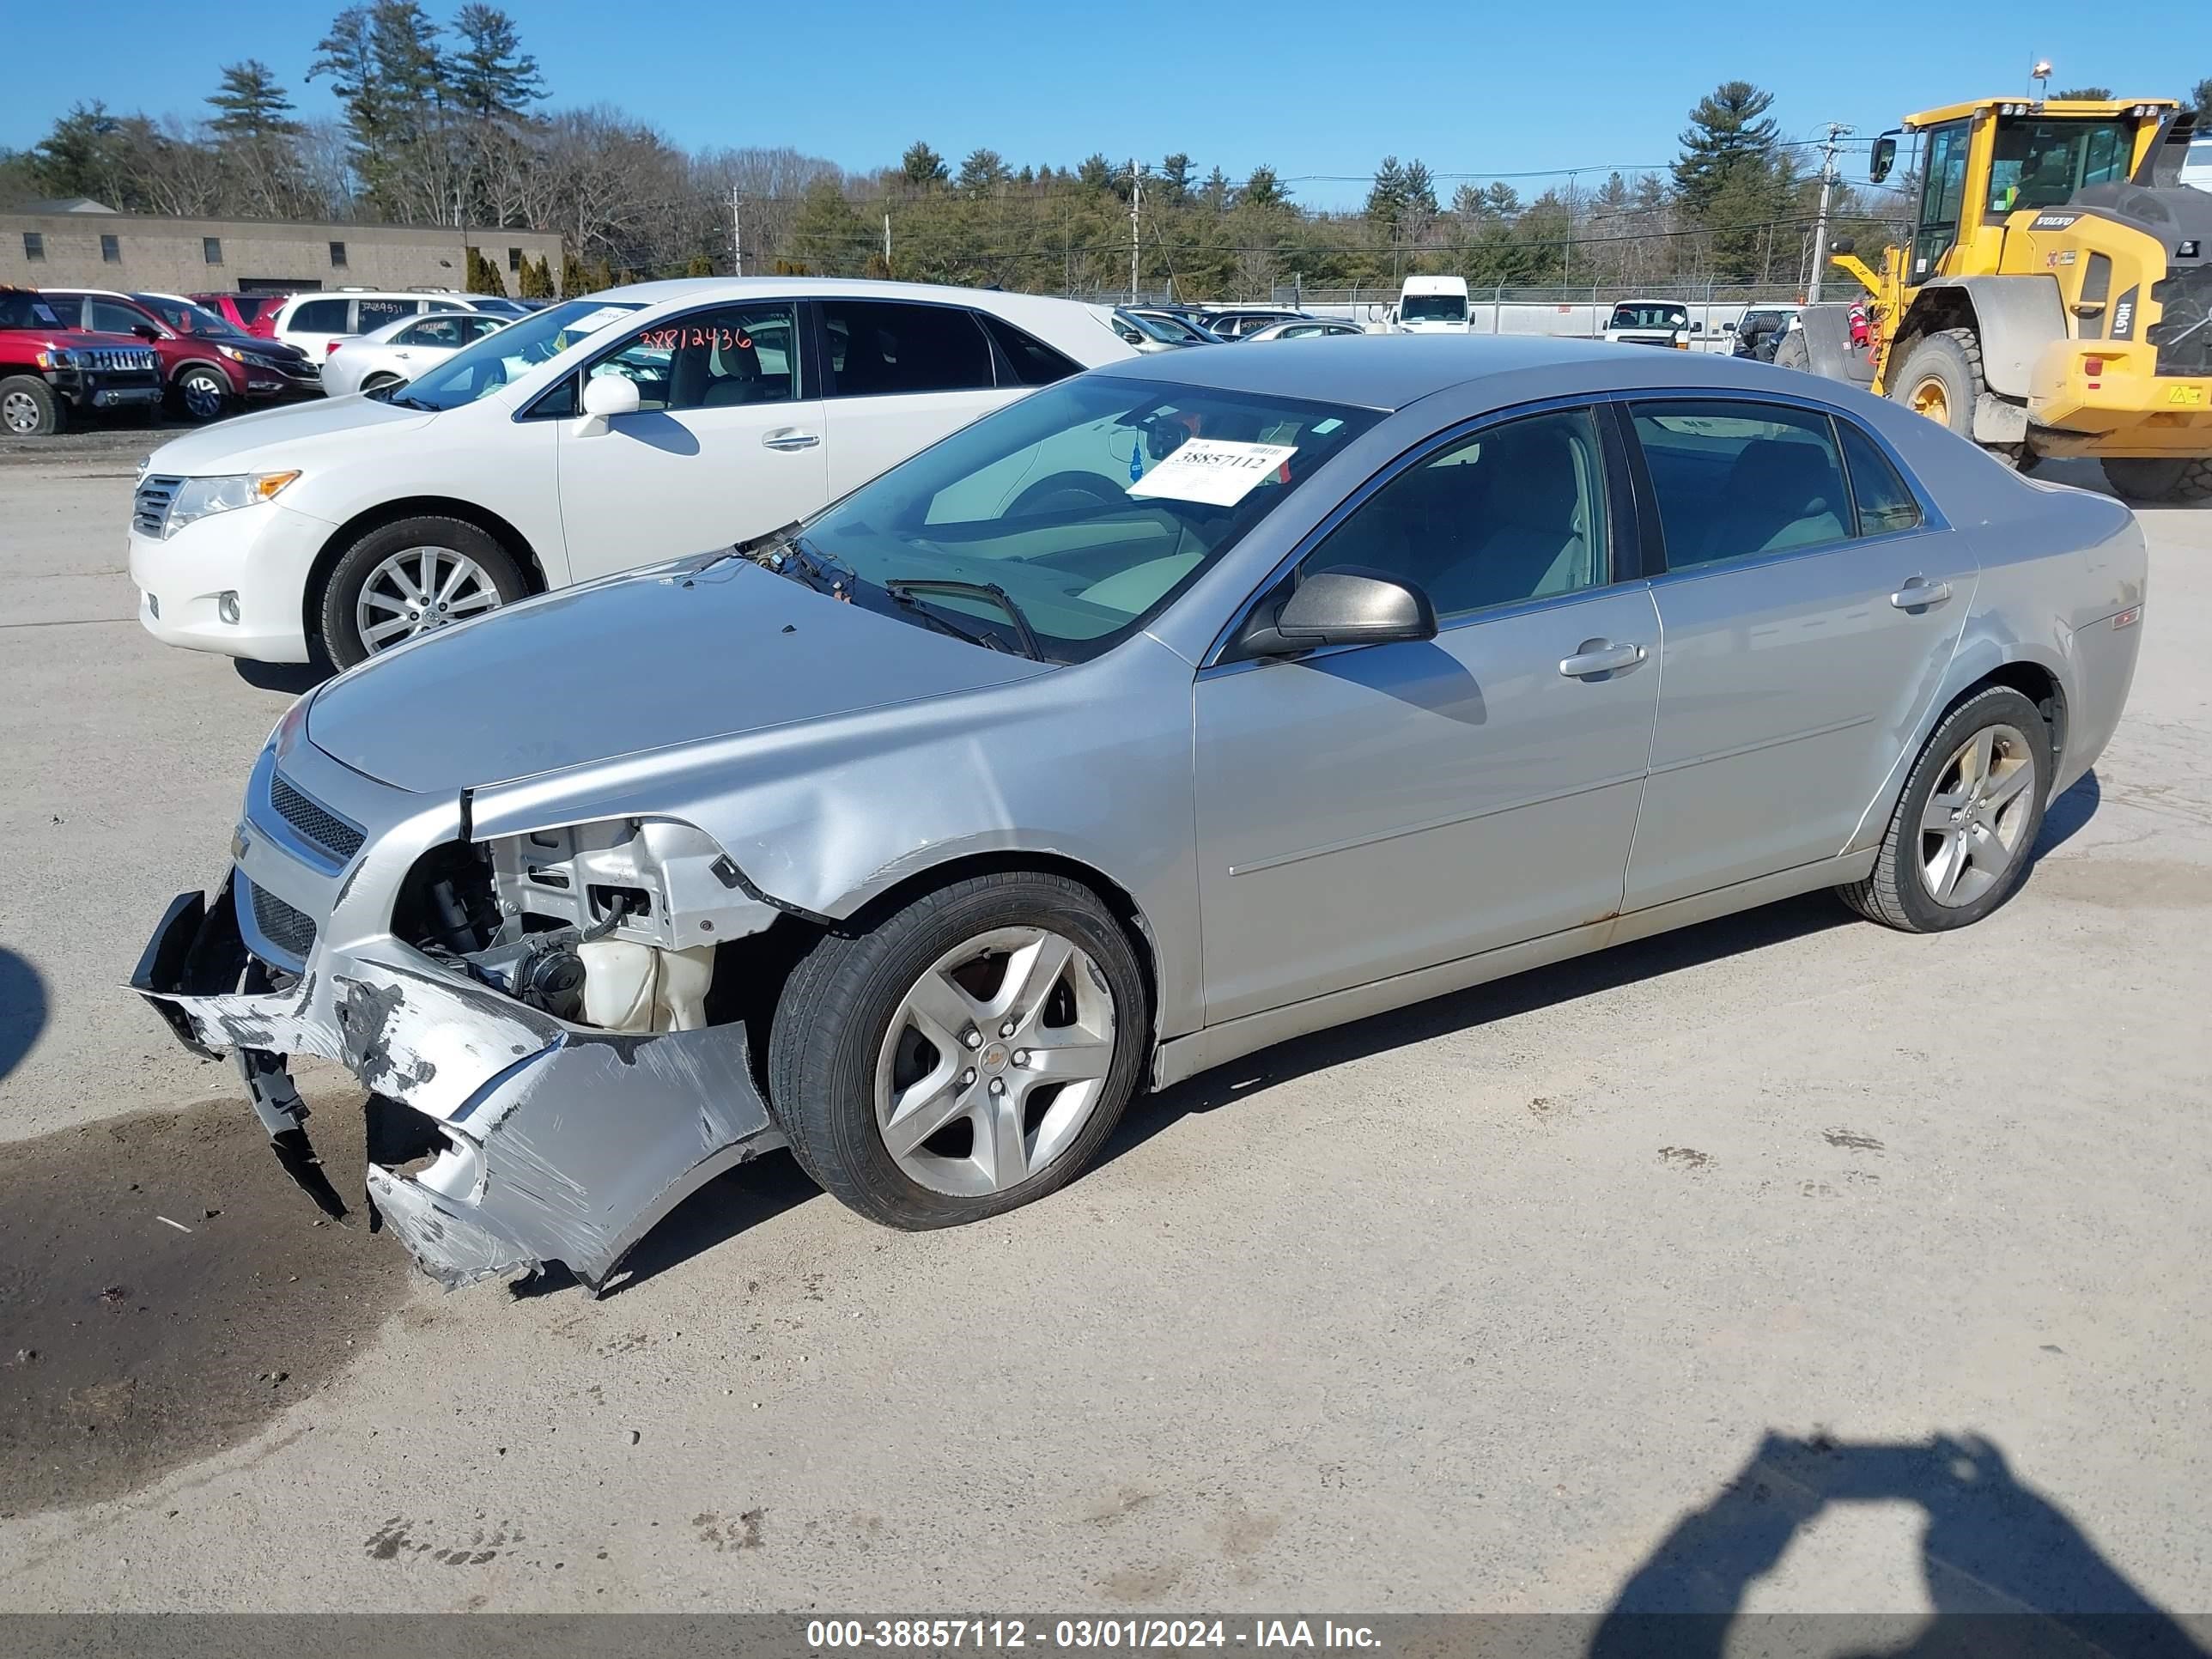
(402,350)
(642,423)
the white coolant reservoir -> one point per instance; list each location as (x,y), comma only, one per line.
(641,988)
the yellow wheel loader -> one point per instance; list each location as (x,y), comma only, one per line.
(2055,297)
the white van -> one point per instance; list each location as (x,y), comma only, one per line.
(1433,305)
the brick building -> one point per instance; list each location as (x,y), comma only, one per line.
(82,244)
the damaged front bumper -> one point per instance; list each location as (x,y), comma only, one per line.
(501,1139)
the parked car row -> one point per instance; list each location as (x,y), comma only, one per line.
(217,353)
(1165,712)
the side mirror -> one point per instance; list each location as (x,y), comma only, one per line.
(1843,245)
(604,397)
(1883,159)
(146,330)
(1347,604)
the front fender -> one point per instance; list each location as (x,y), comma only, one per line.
(1089,763)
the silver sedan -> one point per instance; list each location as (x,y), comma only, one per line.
(1178,709)
(399,351)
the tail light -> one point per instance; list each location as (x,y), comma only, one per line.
(329,346)
(2093,365)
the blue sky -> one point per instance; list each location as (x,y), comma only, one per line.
(1309,89)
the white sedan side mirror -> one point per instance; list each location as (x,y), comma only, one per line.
(605,396)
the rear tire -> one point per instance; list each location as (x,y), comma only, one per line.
(1793,353)
(2153,481)
(28,408)
(851,1057)
(451,542)
(1944,866)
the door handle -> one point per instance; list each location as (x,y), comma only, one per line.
(789,437)
(1919,592)
(1600,657)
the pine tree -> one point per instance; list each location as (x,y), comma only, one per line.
(2098,94)
(575,279)
(2200,99)
(251,103)
(537,283)
(492,77)
(1728,129)
(483,276)
(921,165)
(1175,180)
(701,265)
(1263,189)
(982,173)
(828,237)
(1386,198)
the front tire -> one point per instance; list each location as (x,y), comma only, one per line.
(1792,352)
(409,578)
(1958,843)
(969,1054)
(1942,379)
(28,408)
(200,395)
(2154,481)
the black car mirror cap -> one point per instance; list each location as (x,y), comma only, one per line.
(1344,604)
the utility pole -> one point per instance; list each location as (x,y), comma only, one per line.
(887,244)
(1836,133)
(737,232)
(1136,208)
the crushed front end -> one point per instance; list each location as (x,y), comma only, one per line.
(549,1066)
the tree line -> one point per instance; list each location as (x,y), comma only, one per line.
(451,123)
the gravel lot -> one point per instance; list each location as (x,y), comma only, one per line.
(1644,1270)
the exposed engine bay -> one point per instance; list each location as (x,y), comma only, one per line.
(612,925)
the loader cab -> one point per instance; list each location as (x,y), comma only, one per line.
(1980,163)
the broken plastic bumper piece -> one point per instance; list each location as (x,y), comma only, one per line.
(529,1140)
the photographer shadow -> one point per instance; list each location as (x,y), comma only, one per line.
(2007,1570)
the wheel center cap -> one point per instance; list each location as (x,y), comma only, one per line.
(995,1057)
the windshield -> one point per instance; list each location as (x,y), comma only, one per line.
(504,356)
(2041,163)
(1632,315)
(188,318)
(1432,308)
(1091,504)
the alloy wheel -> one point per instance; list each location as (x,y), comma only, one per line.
(418,590)
(202,396)
(995,1060)
(1974,828)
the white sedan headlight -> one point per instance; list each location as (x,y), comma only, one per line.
(199,498)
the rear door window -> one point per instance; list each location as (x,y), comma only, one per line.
(111,317)
(321,317)
(1885,505)
(67,309)
(1742,480)
(1023,359)
(883,347)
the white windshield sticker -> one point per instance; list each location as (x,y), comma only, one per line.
(1213,471)
(592,321)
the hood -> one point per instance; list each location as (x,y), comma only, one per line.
(660,658)
(279,437)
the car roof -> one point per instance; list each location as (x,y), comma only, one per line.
(1392,371)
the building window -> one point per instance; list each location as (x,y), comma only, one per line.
(337,256)
(110,249)
(514,258)
(34,246)
(211,249)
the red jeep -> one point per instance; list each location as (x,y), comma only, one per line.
(48,372)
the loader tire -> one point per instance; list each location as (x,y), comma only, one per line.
(1942,379)
(2159,482)
(1792,352)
